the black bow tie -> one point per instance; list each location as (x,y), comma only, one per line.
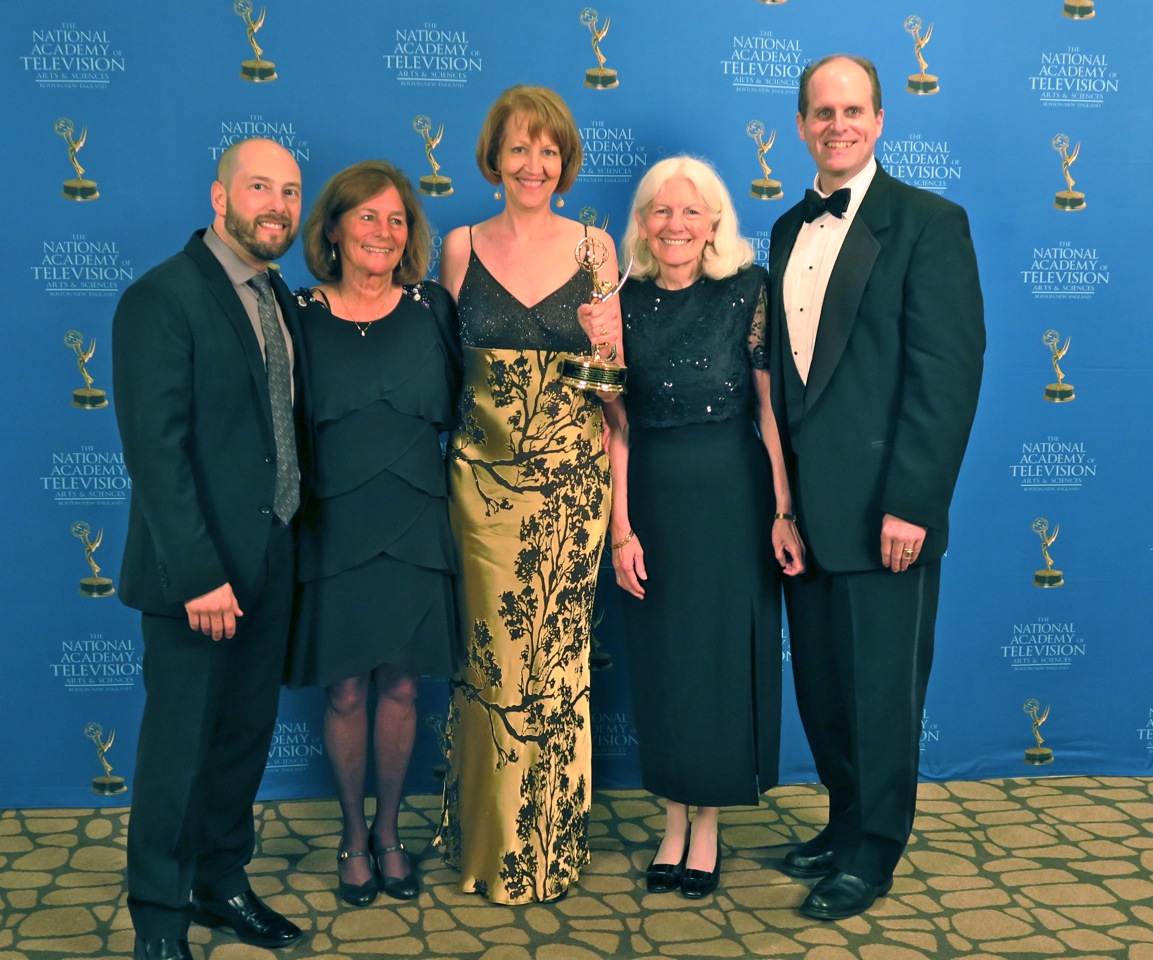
(835,203)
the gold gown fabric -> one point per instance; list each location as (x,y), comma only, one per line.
(529,501)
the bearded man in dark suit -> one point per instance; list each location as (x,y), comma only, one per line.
(203,373)
(878,336)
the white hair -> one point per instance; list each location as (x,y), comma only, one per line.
(727,253)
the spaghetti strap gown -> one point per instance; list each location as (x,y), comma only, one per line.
(529,498)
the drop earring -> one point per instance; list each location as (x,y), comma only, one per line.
(559,202)
(496,195)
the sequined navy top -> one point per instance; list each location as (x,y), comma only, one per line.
(691,352)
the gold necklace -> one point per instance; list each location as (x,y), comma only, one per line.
(361,325)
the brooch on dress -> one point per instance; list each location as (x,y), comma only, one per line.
(417,294)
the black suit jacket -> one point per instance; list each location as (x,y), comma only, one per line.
(191,395)
(882,423)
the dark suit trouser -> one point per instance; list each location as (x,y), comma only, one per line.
(862,647)
(208,720)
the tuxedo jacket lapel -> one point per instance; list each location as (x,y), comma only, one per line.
(847,284)
(788,386)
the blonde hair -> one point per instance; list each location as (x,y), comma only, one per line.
(725,255)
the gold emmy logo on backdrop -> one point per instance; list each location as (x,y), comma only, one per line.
(763,189)
(79,188)
(588,216)
(106,785)
(1048,577)
(920,83)
(86,397)
(258,70)
(434,185)
(598,371)
(1037,755)
(95,585)
(1059,392)
(1079,9)
(599,77)
(1068,199)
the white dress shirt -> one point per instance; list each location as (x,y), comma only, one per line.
(810,266)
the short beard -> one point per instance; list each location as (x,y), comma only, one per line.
(244,232)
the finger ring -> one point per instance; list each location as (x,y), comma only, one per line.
(908,551)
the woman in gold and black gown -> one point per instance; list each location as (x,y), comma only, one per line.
(529,503)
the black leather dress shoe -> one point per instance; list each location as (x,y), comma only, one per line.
(251,919)
(162,949)
(700,883)
(841,895)
(805,866)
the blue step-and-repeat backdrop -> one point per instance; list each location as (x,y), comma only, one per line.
(1035,115)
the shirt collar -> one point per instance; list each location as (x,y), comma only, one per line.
(238,271)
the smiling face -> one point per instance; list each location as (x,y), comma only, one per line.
(840,126)
(529,166)
(676,225)
(258,209)
(371,236)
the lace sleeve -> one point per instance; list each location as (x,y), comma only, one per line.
(758,347)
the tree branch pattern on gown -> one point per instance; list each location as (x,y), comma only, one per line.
(527,672)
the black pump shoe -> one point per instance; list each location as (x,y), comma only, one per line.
(399,888)
(357,895)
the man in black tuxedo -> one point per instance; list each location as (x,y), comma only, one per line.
(878,336)
(203,373)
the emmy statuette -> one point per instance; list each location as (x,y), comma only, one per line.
(597,371)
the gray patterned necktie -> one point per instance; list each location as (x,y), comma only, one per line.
(287,497)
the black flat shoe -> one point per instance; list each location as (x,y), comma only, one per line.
(841,895)
(806,866)
(252,920)
(663,877)
(399,888)
(700,883)
(357,895)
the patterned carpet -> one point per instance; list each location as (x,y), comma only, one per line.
(1012,869)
